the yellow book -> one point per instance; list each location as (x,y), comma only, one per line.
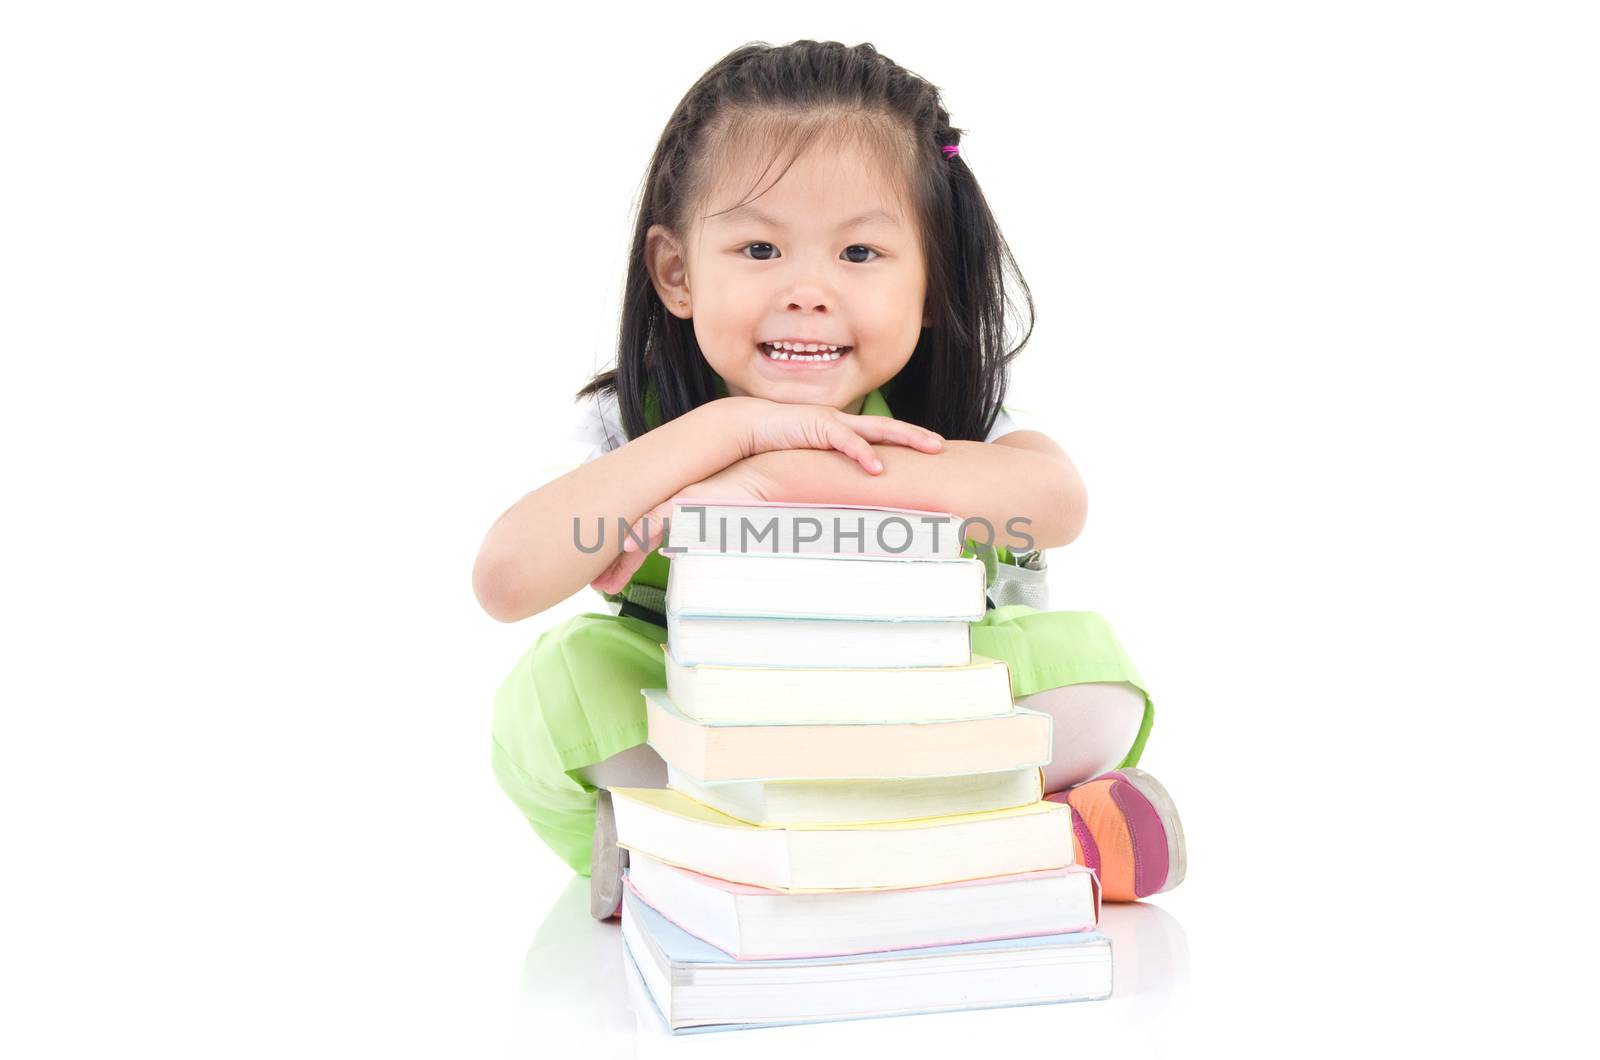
(802,802)
(671,827)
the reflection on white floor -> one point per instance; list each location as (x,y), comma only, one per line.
(576,982)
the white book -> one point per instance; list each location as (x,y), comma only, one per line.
(708,692)
(778,527)
(879,588)
(757,923)
(694,985)
(786,802)
(816,643)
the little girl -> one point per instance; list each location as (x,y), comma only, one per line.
(811,252)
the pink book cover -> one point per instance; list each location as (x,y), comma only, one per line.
(723,502)
(731,887)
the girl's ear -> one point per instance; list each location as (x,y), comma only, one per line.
(664,260)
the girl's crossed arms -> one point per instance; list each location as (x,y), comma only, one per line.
(750,448)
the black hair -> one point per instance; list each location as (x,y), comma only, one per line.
(786,97)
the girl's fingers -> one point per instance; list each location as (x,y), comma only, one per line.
(897,432)
(604,580)
(637,533)
(627,566)
(651,528)
(855,447)
(621,569)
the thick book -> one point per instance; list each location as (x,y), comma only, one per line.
(780,527)
(784,802)
(706,692)
(873,588)
(695,986)
(854,751)
(669,826)
(758,923)
(816,643)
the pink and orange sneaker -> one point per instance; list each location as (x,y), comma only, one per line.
(1125,826)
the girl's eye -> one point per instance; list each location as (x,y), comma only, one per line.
(763,256)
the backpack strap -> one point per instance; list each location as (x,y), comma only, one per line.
(643,601)
(1013,578)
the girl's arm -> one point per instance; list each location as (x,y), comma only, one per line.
(530,561)
(1023,475)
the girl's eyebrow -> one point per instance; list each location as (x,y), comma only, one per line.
(752,213)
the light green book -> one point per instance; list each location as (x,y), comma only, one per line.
(980,688)
(671,827)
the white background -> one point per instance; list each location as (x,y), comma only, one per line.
(293,295)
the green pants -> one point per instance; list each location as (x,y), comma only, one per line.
(574,699)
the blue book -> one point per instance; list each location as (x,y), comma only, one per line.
(694,986)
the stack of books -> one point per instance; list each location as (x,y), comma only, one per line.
(853,824)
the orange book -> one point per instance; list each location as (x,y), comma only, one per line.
(860,750)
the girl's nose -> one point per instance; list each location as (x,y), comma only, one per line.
(809,294)
(807,285)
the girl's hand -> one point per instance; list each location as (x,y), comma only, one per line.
(737,482)
(773,425)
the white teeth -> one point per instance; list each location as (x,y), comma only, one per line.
(783,355)
(803,347)
(790,351)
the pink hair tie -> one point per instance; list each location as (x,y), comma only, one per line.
(951,150)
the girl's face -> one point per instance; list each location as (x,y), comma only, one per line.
(830,254)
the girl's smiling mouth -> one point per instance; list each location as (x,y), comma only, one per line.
(810,354)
